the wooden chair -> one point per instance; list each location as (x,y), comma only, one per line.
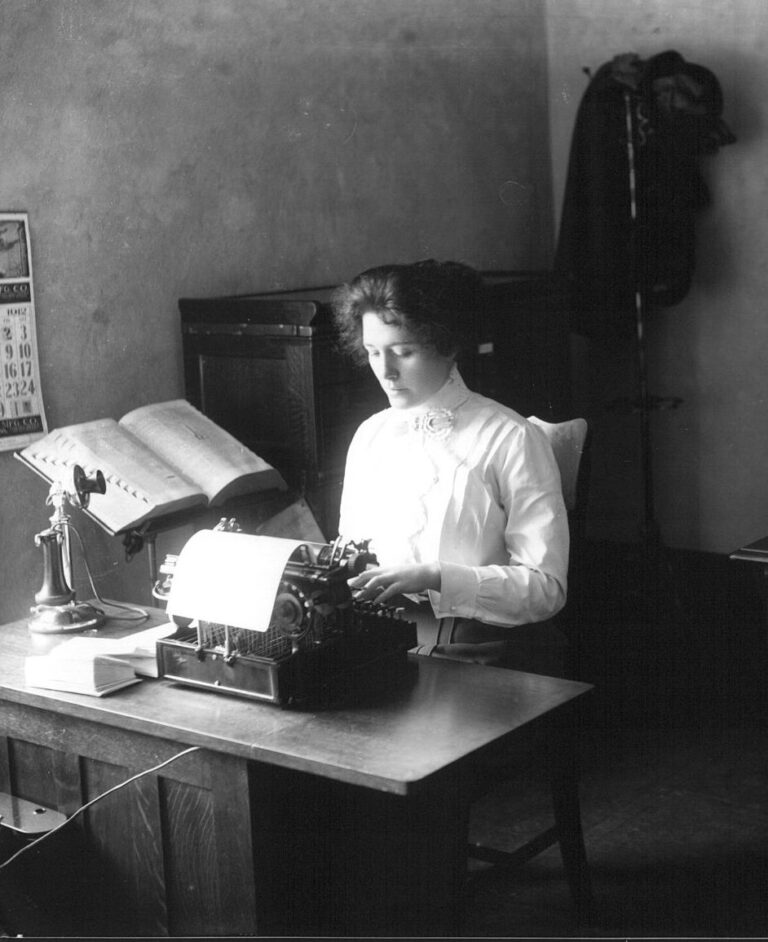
(569,442)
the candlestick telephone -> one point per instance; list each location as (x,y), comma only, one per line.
(56,609)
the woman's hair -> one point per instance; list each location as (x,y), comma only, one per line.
(439,302)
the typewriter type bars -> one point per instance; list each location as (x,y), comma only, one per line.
(229,642)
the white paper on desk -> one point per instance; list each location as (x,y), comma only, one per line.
(137,644)
(229,578)
(139,648)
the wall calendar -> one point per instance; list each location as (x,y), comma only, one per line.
(22,418)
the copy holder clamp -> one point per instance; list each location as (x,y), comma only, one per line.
(56,609)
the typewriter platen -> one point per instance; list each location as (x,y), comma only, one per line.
(317,647)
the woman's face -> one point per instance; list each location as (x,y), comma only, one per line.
(409,371)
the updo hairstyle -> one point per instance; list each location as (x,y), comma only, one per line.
(439,302)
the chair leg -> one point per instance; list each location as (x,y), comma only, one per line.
(567,813)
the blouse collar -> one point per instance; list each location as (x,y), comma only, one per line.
(452,394)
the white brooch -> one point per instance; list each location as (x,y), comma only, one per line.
(437,423)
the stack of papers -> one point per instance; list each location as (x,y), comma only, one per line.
(95,665)
(88,674)
(137,649)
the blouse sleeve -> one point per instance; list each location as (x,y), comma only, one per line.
(531,584)
(352,521)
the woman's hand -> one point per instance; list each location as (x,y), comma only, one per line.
(381,584)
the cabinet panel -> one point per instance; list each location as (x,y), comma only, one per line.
(238,393)
(340,409)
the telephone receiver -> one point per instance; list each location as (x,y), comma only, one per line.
(85,486)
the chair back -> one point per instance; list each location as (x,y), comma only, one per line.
(568,440)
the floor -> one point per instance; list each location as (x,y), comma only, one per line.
(674,757)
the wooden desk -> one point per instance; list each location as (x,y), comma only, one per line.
(349,821)
(756,553)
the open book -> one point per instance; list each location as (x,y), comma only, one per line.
(156,460)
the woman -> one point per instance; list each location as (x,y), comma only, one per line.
(459,496)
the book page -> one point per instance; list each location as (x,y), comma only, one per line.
(202,451)
(139,484)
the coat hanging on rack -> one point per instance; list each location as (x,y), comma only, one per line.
(603,255)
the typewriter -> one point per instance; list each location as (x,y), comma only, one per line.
(318,646)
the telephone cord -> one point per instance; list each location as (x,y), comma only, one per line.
(133,612)
(88,804)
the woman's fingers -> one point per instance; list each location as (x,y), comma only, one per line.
(372,584)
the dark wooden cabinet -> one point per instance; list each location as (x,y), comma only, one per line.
(266,367)
(524,355)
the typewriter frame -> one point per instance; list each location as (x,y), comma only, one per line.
(322,646)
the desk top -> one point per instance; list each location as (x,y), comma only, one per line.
(756,552)
(440,714)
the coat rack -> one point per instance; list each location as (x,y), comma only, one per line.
(645,403)
(626,242)
(659,593)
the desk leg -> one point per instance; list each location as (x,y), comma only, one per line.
(352,861)
(567,812)
(415,852)
(430,863)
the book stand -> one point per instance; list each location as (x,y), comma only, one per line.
(251,510)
